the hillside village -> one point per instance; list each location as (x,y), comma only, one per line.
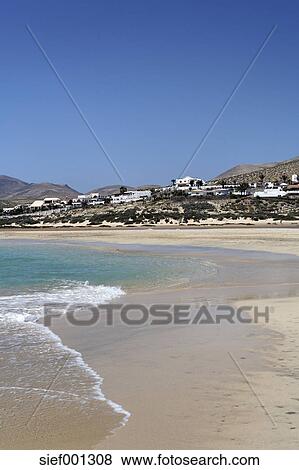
(240,198)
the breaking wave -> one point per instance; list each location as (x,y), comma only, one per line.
(23,338)
(29,306)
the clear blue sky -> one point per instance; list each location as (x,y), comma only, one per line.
(150,76)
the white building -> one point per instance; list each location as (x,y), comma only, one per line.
(52,200)
(130,196)
(91,199)
(13,210)
(187,183)
(81,197)
(8,210)
(37,205)
(47,203)
(76,203)
(96,203)
(210,190)
(270,192)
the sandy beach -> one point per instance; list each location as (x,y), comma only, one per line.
(273,239)
(184,390)
(199,386)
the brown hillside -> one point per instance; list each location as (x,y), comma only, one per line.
(272,173)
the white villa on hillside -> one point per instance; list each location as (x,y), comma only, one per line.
(10,210)
(131,196)
(46,203)
(187,183)
(89,197)
(210,190)
(37,205)
(52,200)
(270,192)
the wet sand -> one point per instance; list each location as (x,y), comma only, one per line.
(47,399)
(183,388)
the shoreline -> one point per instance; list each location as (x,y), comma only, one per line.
(196,398)
(179,383)
(84,228)
(181,387)
(270,239)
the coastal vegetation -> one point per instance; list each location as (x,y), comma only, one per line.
(180,210)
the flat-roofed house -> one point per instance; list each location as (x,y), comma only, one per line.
(270,192)
(131,196)
(37,205)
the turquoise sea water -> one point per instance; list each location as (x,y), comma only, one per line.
(31,266)
(32,274)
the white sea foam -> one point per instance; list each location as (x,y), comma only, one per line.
(27,308)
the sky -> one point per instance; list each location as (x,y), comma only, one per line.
(149,76)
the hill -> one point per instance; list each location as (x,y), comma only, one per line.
(109,190)
(254,173)
(33,191)
(115,189)
(9,185)
(245,168)
(148,186)
(41,190)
